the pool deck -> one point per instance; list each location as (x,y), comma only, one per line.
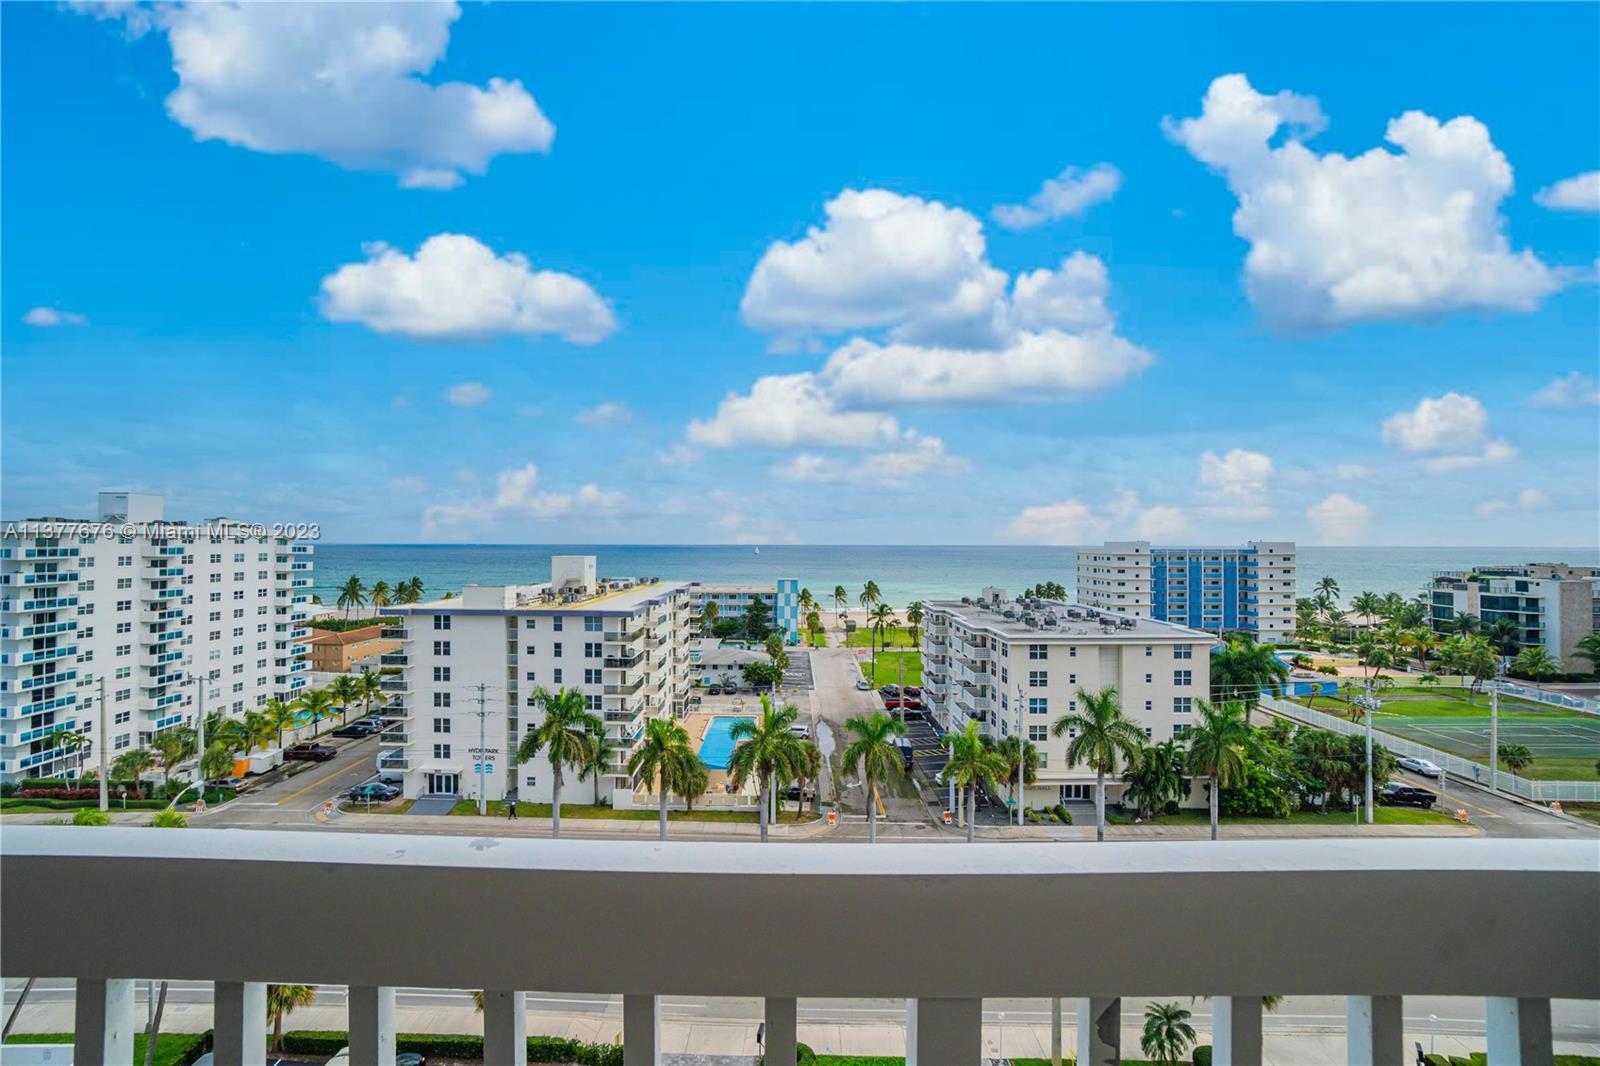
(697,725)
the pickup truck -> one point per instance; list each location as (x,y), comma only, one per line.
(312,751)
(1393,793)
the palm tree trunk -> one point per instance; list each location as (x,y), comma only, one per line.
(155,1027)
(1216,797)
(555,805)
(972,810)
(872,811)
(22,998)
(277,1032)
(765,784)
(1099,804)
(663,807)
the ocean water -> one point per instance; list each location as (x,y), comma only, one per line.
(902,573)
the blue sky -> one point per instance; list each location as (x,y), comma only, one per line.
(661,273)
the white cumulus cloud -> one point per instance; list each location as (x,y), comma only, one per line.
(605,415)
(790,410)
(1526,500)
(1240,474)
(468,394)
(1451,430)
(1072,192)
(1573,389)
(346,82)
(456,287)
(1338,519)
(1337,239)
(919,457)
(1073,521)
(1578,193)
(50,316)
(518,493)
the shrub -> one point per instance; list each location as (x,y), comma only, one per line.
(169,819)
(1261,796)
(72,793)
(541,1049)
(1063,815)
(73,805)
(1202,1055)
(91,816)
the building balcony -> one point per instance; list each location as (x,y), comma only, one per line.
(48,654)
(396,759)
(622,930)
(398,736)
(53,603)
(53,577)
(626,689)
(394,659)
(623,637)
(394,633)
(46,680)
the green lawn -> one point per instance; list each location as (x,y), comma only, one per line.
(894,637)
(1384,816)
(1424,702)
(585,811)
(888,672)
(172,1049)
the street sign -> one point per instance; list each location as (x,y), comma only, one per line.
(946,817)
(833,819)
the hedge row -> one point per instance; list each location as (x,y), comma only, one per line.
(70,793)
(78,804)
(458,1046)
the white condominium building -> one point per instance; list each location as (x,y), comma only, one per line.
(782,598)
(147,604)
(1249,589)
(1018,666)
(1553,605)
(469,666)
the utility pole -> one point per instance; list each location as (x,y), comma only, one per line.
(1494,738)
(1022,754)
(483,754)
(104,739)
(1371,703)
(200,731)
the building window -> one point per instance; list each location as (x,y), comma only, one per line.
(1182,704)
(531,623)
(1148,651)
(593,623)
(1149,678)
(441,621)
(555,623)
(1038,705)
(441,699)
(593,702)
(441,673)
(1072,651)
(591,676)
(557,651)
(441,725)
(1038,678)
(1180,728)
(557,673)
(1182,677)
(591,651)
(1038,732)
(1183,651)
(1038,651)
(441,751)
(441,647)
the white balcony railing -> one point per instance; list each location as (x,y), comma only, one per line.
(1512,920)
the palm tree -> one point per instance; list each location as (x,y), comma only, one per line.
(1219,742)
(1421,640)
(914,618)
(1516,757)
(1242,669)
(807,603)
(780,659)
(1536,663)
(368,685)
(1466,624)
(1505,635)
(598,766)
(381,595)
(1367,603)
(216,762)
(566,737)
(317,703)
(173,745)
(1167,1033)
(283,1000)
(972,763)
(1327,588)
(132,764)
(870,596)
(765,748)
(345,690)
(1154,777)
(1099,734)
(807,770)
(69,741)
(814,623)
(352,594)
(1589,648)
(664,755)
(694,784)
(408,591)
(282,716)
(1320,754)
(841,600)
(882,616)
(878,759)
(1017,752)
(708,615)
(1472,657)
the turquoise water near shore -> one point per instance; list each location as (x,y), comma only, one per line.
(903,573)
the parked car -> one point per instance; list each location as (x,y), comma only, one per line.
(913,691)
(863,685)
(228,784)
(311,751)
(1420,766)
(801,730)
(364,728)
(886,691)
(410,1058)
(1394,794)
(374,792)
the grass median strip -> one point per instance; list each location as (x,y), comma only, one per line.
(580,812)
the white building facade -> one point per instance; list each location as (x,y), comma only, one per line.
(1018,667)
(782,598)
(469,666)
(1553,605)
(1248,589)
(148,605)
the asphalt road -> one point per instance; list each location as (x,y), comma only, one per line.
(1576,1021)
(299,798)
(1499,816)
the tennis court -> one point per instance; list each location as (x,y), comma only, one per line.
(1566,737)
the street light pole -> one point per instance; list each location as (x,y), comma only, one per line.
(483,802)
(1494,737)
(1022,759)
(1371,703)
(104,740)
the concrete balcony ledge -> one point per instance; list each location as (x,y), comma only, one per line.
(1483,918)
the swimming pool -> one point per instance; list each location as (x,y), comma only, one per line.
(717,746)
